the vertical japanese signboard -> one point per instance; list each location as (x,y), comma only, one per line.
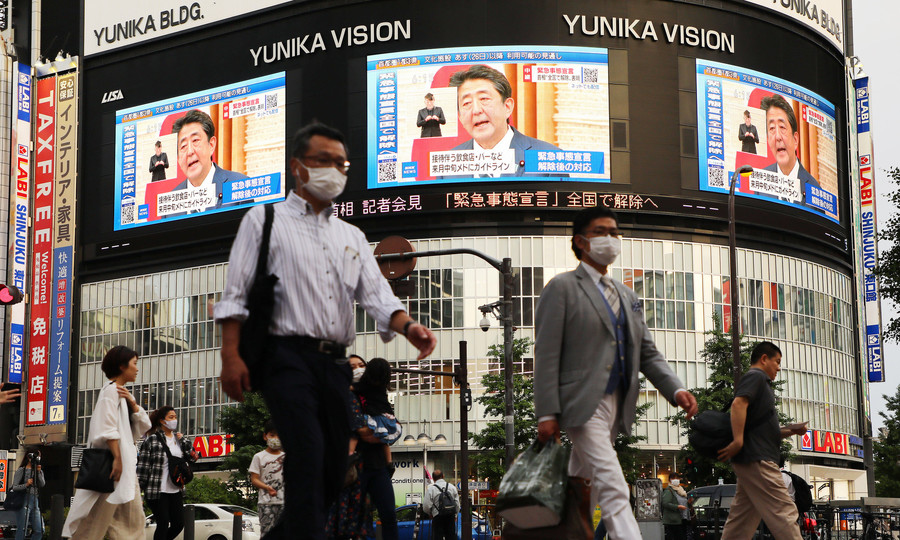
(868,250)
(21,167)
(63,244)
(42,245)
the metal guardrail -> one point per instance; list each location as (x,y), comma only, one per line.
(868,518)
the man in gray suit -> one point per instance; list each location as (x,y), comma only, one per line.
(485,103)
(591,342)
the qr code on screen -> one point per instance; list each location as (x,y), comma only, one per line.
(272,101)
(387,171)
(716,177)
(127,214)
(589,75)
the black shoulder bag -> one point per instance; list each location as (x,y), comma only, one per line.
(710,431)
(260,303)
(179,467)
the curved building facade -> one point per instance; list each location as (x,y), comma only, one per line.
(644,107)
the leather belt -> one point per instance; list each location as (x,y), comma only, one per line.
(323,346)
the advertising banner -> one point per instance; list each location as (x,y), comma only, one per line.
(45,161)
(784,131)
(823,16)
(111,25)
(868,249)
(63,242)
(21,171)
(487,115)
(192,172)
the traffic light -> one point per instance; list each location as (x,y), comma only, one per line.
(9,295)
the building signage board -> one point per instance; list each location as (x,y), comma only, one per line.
(63,241)
(111,25)
(868,249)
(823,16)
(44,161)
(827,442)
(21,171)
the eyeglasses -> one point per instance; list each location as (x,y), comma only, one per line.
(603,231)
(318,162)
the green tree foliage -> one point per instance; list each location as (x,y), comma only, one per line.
(245,423)
(888,270)
(718,392)
(887,450)
(492,439)
(205,489)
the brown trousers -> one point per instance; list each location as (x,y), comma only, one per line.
(761,494)
(113,521)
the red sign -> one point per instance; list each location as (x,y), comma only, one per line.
(213,445)
(829,442)
(866,192)
(488,493)
(4,465)
(44,159)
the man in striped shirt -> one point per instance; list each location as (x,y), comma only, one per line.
(323,264)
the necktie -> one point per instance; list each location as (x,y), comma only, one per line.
(612,296)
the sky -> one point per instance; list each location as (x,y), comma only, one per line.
(874,40)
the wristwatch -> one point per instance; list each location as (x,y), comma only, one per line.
(407,325)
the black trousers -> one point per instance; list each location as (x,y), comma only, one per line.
(308,395)
(444,527)
(168,511)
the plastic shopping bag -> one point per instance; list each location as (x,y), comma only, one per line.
(533,491)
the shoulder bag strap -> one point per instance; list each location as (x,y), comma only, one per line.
(262,260)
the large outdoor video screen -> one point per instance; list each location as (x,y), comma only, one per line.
(164,176)
(488,114)
(784,131)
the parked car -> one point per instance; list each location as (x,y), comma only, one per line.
(8,524)
(214,522)
(406,521)
(711,506)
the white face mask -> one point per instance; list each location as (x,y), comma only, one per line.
(274,443)
(325,183)
(358,373)
(604,249)
(675,482)
(171,424)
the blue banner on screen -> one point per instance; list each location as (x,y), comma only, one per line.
(163,176)
(486,115)
(782,130)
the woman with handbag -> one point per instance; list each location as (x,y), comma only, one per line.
(163,469)
(117,422)
(29,477)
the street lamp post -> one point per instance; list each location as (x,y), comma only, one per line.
(733,285)
(506,318)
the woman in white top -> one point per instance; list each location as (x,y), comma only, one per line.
(116,423)
(164,496)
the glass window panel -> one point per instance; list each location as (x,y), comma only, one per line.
(679,315)
(650,311)
(670,285)
(435,311)
(639,283)
(689,316)
(660,314)
(670,315)
(659,277)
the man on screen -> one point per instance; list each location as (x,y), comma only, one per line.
(783,138)
(430,118)
(747,135)
(196,136)
(159,162)
(485,103)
